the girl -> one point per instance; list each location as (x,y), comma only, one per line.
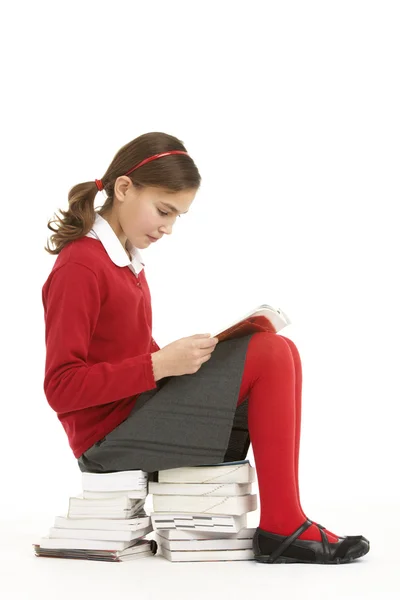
(127,404)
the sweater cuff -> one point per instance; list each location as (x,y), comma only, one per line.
(150,372)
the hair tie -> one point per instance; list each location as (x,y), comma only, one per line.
(99,183)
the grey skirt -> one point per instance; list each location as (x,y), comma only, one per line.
(188,420)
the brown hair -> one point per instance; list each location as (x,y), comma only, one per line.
(175,172)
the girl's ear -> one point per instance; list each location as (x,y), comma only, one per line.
(121,186)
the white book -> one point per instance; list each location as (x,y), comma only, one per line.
(98,513)
(113,502)
(141,549)
(120,480)
(118,508)
(139,522)
(179,534)
(98,534)
(219,505)
(234,472)
(207,555)
(209,523)
(196,545)
(199,489)
(128,493)
(81,544)
(275,316)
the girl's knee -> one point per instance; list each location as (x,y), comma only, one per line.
(291,344)
(271,344)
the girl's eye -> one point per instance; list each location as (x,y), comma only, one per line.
(164,213)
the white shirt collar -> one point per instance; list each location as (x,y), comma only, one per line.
(103,231)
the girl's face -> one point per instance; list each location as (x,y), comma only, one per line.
(145,212)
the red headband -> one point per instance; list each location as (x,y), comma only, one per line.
(99,183)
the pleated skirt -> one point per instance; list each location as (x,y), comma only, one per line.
(189,420)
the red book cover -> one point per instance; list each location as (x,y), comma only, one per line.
(245,327)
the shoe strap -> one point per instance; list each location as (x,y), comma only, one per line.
(325,544)
(287,541)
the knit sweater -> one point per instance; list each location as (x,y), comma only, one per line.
(98,335)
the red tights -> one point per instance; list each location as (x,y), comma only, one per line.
(272,380)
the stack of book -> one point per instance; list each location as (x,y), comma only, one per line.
(107,521)
(200,513)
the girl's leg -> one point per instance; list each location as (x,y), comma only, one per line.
(272,380)
(298,392)
(298,386)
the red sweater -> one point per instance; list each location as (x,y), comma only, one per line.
(98,333)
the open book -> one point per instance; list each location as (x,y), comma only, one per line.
(262,318)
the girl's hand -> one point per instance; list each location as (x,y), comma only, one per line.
(184,356)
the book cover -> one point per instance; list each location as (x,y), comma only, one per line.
(224,505)
(134,494)
(101,513)
(262,318)
(120,480)
(196,545)
(139,522)
(114,502)
(179,534)
(98,534)
(200,489)
(81,544)
(142,549)
(210,523)
(237,472)
(106,508)
(207,555)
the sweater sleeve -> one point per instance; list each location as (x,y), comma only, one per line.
(72,304)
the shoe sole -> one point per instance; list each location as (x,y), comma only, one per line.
(287,559)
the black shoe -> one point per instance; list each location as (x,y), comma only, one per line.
(274,548)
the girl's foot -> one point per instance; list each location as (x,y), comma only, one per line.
(273,548)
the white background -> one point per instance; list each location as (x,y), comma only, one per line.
(291,112)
